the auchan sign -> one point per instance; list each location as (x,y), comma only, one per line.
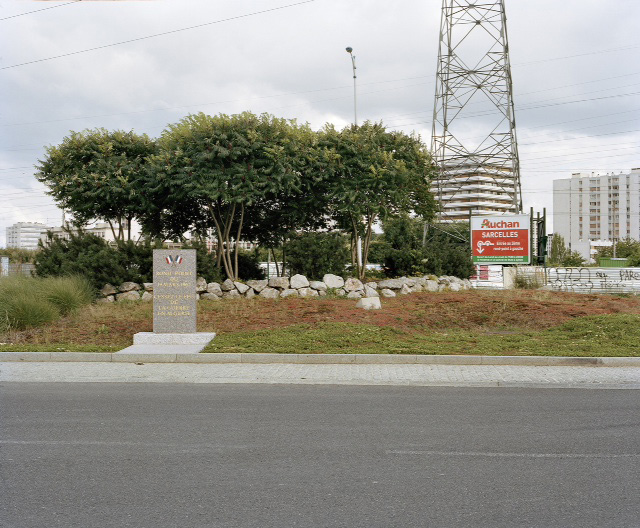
(500,239)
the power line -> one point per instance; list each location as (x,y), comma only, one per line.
(237,17)
(38,10)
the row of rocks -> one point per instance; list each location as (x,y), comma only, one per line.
(296,286)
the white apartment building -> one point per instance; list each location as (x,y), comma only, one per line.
(25,235)
(480,190)
(592,210)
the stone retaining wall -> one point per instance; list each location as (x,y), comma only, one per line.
(296,286)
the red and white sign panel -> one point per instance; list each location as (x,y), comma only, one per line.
(500,239)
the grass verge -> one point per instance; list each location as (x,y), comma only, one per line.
(602,335)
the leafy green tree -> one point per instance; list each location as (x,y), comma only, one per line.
(377,175)
(96,174)
(625,248)
(314,254)
(558,251)
(561,255)
(211,172)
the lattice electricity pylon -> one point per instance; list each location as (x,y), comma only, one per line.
(474,130)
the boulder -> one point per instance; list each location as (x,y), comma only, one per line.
(386,292)
(258,285)
(455,286)
(281,283)
(416,288)
(355,294)
(467,284)
(404,290)
(131,295)
(318,285)
(369,303)
(340,292)
(107,299)
(431,286)
(322,293)
(370,292)
(409,282)
(373,285)
(250,293)
(442,287)
(146,296)
(214,288)
(129,286)
(231,294)
(201,285)
(108,289)
(299,281)
(242,288)
(289,292)
(333,281)
(270,293)
(148,286)
(307,292)
(210,296)
(391,284)
(228,285)
(352,284)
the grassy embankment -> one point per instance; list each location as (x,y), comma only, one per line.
(473,322)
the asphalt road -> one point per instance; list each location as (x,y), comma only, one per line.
(181,455)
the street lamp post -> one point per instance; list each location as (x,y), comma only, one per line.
(355,122)
(353,64)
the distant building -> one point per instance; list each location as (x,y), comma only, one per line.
(25,235)
(102,230)
(593,210)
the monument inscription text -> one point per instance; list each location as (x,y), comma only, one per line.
(174,291)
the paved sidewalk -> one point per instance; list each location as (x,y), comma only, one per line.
(349,374)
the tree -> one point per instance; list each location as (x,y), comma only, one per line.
(376,175)
(561,255)
(96,175)
(211,171)
(625,248)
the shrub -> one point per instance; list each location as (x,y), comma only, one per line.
(83,254)
(443,253)
(249,267)
(314,254)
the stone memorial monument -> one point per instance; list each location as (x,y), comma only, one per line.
(174,307)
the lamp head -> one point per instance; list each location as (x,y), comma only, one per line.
(349,49)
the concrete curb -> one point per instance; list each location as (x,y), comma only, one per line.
(355,359)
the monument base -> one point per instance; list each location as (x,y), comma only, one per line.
(152,343)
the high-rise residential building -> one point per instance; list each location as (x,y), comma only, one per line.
(591,210)
(25,235)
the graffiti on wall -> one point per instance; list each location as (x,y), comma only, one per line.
(594,280)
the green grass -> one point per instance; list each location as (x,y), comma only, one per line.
(603,335)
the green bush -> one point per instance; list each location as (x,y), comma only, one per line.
(83,254)
(249,267)
(314,254)
(443,253)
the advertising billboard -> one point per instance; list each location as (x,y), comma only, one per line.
(500,239)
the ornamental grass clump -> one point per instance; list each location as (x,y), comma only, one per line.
(67,294)
(27,302)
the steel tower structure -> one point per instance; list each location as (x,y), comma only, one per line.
(474,131)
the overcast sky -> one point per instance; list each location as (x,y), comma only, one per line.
(576,76)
